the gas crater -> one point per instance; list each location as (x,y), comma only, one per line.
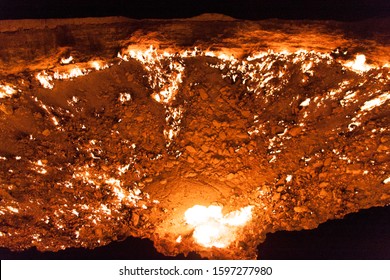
(202,135)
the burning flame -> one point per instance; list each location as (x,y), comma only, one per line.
(359,64)
(45,80)
(380,100)
(212,228)
(166,79)
(98,65)
(73,73)
(6,91)
(66,60)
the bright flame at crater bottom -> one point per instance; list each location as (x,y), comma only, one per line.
(212,228)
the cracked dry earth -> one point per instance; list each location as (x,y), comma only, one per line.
(114,127)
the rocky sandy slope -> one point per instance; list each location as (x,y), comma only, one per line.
(114,127)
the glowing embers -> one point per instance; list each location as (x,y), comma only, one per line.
(125,195)
(305,103)
(269,72)
(120,194)
(212,228)
(7,90)
(47,80)
(368,106)
(359,64)
(39,166)
(124,97)
(165,71)
(13,209)
(173,120)
(380,100)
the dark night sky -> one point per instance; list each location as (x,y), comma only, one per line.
(347,10)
